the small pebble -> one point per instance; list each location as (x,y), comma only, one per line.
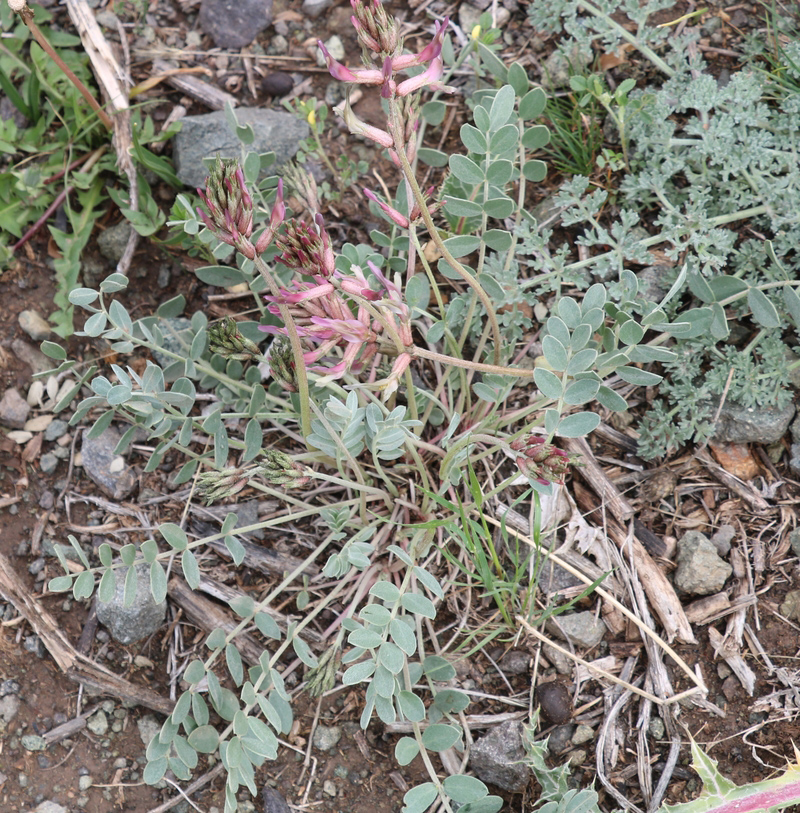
(329,788)
(34,325)
(48,463)
(85,782)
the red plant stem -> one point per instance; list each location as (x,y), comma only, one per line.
(27,17)
(43,219)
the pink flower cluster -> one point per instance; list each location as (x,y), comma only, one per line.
(541,461)
(323,309)
(229,208)
(379,37)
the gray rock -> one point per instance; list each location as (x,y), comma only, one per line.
(50,807)
(329,787)
(737,424)
(335,48)
(210,134)
(273,801)
(656,728)
(33,742)
(9,111)
(9,687)
(497,758)
(548,212)
(582,734)
(176,331)
(56,429)
(469,14)
(554,579)
(34,645)
(148,728)
(234,23)
(561,738)
(516,662)
(722,539)
(34,325)
(48,463)
(790,608)
(582,629)
(795,429)
(113,240)
(9,707)
(110,471)
(142,618)
(246,514)
(561,662)
(98,724)
(794,541)
(14,409)
(700,570)
(651,281)
(793,359)
(794,459)
(326,737)
(32,356)
(313,8)
(559,66)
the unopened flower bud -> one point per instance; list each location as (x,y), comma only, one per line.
(216,485)
(229,206)
(282,365)
(322,677)
(541,461)
(225,339)
(280,470)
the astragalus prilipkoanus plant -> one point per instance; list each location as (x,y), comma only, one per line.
(390,380)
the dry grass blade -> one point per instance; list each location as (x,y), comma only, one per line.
(643,628)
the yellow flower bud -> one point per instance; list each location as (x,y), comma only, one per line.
(476,32)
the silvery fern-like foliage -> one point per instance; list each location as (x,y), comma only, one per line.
(583,28)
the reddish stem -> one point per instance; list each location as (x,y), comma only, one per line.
(42,220)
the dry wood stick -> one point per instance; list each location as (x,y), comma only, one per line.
(76,666)
(208,615)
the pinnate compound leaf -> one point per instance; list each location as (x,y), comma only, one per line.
(191,570)
(420,798)
(578,425)
(465,169)
(763,310)
(154,771)
(440,736)
(358,672)
(412,707)
(418,605)
(233,659)
(463,789)
(792,301)
(204,739)
(158,582)
(493,804)
(406,749)
(438,668)
(174,535)
(532,104)
(402,634)
(549,384)
(195,672)
(84,586)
